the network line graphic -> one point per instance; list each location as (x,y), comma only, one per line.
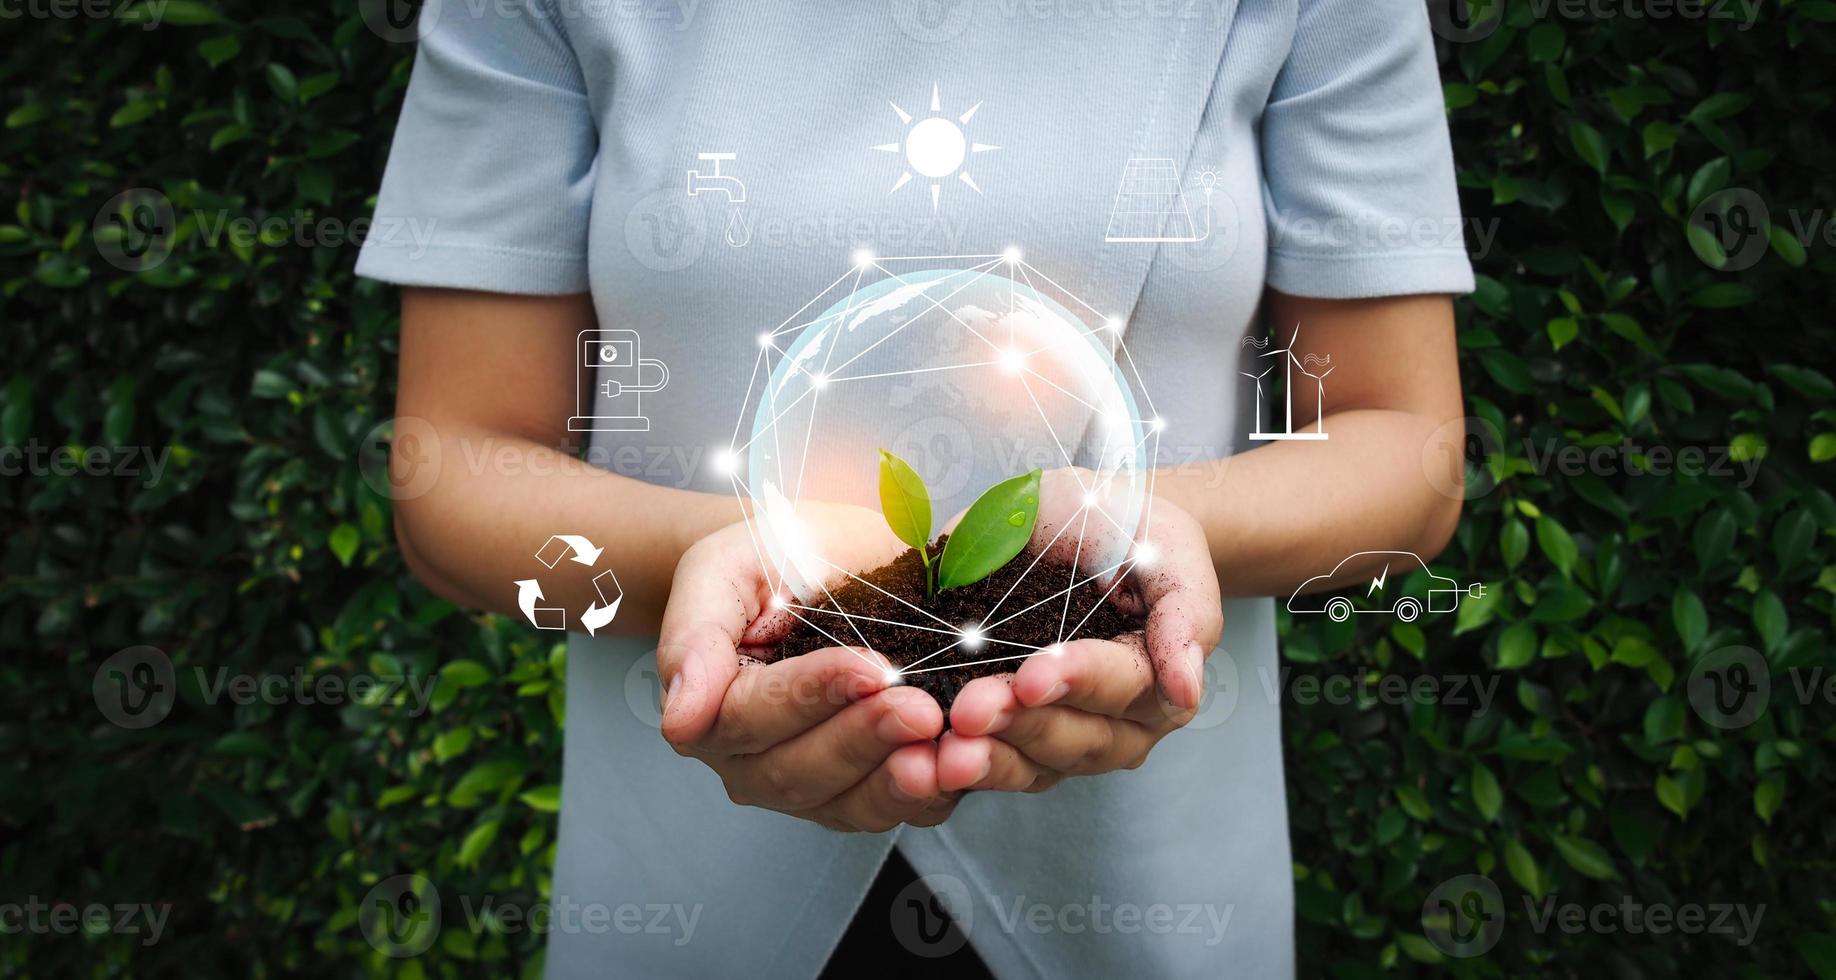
(1009,332)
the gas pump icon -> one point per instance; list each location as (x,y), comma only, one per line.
(611,383)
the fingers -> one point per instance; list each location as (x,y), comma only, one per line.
(815,767)
(979,762)
(902,790)
(984,705)
(767,704)
(1108,677)
(1074,742)
(714,594)
(696,664)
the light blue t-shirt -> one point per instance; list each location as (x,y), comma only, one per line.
(545,147)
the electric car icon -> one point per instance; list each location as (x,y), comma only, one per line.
(1443,594)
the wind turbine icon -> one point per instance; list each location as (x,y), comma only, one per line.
(1258,434)
(1295,364)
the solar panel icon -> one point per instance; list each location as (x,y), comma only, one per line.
(1150,206)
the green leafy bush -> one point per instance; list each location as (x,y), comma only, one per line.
(259,370)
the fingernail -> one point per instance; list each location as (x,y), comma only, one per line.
(891,728)
(1058,690)
(1195,669)
(987,767)
(675,686)
(899,793)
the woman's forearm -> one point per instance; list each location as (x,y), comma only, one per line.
(1283,513)
(499,497)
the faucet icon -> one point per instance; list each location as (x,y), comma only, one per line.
(739,232)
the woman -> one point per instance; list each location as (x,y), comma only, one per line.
(548,149)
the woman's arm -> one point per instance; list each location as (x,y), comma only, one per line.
(1288,511)
(493,377)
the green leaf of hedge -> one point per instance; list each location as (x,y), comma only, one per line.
(1585,856)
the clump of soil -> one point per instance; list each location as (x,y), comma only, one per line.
(966,606)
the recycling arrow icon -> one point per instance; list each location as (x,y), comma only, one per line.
(576,547)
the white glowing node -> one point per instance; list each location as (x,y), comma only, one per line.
(765,339)
(862,257)
(1146,554)
(972,376)
(1010,254)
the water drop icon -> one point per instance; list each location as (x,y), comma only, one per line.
(739,230)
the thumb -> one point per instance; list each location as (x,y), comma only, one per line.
(695,670)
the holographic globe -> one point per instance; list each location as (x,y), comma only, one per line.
(971,375)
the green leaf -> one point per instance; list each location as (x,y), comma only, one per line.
(1513,543)
(281,80)
(1561,330)
(1690,618)
(218,50)
(1767,797)
(1818,951)
(1546,42)
(132,113)
(1508,370)
(473,848)
(1523,868)
(1658,137)
(1487,795)
(994,529)
(1589,144)
(1823,447)
(904,502)
(482,779)
(1557,545)
(466,673)
(178,13)
(1585,856)
(1516,646)
(344,541)
(547,798)
(450,745)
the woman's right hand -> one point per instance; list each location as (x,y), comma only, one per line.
(825,736)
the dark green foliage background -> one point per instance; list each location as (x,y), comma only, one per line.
(263,551)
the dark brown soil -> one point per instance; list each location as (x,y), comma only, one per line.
(966,606)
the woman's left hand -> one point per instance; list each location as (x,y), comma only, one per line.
(1094,706)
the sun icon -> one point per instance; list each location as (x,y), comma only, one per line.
(935,147)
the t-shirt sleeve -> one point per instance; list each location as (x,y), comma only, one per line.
(1358,172)
(489,181)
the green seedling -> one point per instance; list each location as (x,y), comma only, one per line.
(993,530)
